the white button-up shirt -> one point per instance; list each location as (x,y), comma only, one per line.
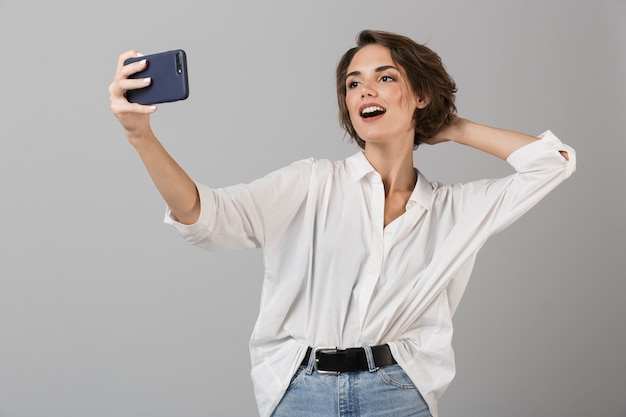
(336,276)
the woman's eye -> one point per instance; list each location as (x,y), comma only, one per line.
(386,78)
(352,84)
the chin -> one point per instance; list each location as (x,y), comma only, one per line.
(373,136)
(374,142)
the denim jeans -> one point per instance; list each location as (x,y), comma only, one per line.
(383,392)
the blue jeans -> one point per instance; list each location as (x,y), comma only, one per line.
(383,392)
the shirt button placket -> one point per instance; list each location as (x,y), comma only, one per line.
(375,261)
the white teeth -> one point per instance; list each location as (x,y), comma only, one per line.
(372,109)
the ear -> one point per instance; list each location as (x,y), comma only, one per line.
(422,102)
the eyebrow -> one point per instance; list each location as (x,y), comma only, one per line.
(379,69)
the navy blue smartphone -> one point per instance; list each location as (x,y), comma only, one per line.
(168,71)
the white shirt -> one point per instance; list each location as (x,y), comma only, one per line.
(335,276)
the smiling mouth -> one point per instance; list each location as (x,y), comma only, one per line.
(372,111)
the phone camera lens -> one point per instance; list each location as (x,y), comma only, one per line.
(179,68)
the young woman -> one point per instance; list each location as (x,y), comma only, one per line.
(365,259)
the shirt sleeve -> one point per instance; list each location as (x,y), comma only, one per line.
(473,212)
(549,146)
(487,206)
(540,168)
(245,215)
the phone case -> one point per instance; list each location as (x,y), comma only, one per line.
(168,71)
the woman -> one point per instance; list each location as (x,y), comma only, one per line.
(365,259)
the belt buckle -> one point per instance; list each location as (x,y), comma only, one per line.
(316,361)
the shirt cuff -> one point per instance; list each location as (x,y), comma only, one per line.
(547,145)
(205,220)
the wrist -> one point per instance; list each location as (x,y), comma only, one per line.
(460,129)
(140,137)
(464,131)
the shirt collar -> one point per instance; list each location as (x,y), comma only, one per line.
(423,192)
(359,167)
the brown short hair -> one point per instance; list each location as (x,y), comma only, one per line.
(424,72)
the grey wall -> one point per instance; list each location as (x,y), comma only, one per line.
(104,311)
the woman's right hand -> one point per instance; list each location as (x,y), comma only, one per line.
(134,118)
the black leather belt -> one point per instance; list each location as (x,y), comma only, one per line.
(335,361)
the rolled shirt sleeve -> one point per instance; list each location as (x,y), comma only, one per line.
(244,215)
(549,146)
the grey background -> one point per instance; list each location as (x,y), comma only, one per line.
(104,311)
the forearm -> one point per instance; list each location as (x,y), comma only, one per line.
(178,190)
(175,186)
(495,141)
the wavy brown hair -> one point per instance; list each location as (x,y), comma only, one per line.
(426,77)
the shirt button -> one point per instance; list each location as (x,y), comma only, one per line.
(410,204)
(551,143)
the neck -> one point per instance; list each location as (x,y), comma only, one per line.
(394,164)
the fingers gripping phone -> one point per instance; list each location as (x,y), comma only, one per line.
(169,81)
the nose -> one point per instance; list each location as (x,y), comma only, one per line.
(367,90)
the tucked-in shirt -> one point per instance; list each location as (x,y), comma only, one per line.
(336,276)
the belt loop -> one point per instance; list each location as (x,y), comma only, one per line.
(309,366)
(370,358)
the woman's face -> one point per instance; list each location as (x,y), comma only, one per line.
(379,100)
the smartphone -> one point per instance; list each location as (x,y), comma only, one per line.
(168,71)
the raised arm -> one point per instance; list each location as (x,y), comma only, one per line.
(497,142)
(175,186)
